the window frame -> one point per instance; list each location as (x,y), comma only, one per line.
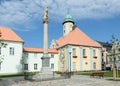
(84,52)
(52,65)
(35,66)
(74,51)
(94,52)
(52,55)
(12,51)
(94,65)
(25,66)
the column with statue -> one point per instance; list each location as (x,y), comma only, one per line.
(45,57)
(45,73)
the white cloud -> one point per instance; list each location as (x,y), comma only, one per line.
(21,11)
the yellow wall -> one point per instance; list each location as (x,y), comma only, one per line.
(97,59)
(77,60)
(86,62)
(64,60)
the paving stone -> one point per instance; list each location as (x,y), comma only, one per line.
(74,81)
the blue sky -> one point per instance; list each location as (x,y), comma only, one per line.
(99,19)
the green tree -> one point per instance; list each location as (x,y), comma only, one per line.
(114,52)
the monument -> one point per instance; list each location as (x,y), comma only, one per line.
(46,72)
(46,59)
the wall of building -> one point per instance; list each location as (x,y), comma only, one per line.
(32,58)
(11,63)
(79,62)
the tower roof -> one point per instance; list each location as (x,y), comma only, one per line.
(9,35)
(77,37)
(68,18)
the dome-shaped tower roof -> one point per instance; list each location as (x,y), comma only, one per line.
(68,18)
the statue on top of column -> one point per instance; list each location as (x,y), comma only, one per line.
(46,12)
(45,17)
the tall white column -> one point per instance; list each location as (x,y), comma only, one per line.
(45,37)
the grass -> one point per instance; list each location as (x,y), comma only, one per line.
(106,73)
(16,75)
(11,75)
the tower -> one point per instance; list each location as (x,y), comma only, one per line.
(67,24)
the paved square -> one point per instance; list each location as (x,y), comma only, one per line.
(74,81)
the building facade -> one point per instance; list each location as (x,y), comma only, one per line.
(77,51)
(32,59)
(74,51)
(11,53)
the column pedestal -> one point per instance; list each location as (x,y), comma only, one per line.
(46,72)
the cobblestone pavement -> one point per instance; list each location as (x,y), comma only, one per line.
(74,81)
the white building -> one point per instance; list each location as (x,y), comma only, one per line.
(11,55)
(32,59)
(14,58)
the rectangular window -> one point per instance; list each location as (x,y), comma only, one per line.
(74,66)
(94,52)
(0,66)
(0,50)
(25,66)
(84,52)
(52,55)
(35,66)
(26,55)
(74,51)
(11,51)
(94,65)
(52,66)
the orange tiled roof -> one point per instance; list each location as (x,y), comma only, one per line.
(30,49)
(9,34)
(77,37)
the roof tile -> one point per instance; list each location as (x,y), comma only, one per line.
(9,35)
(31,49)
(77,37)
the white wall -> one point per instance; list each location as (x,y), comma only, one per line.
(35,58)
(54,61)
(11,63)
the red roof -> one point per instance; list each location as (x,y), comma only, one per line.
(9,34)
(77,37)
(30,49)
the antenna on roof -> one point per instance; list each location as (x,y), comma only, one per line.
(68,10)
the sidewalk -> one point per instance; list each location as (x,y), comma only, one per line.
(76,80)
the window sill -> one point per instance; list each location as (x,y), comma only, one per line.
(74,56)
